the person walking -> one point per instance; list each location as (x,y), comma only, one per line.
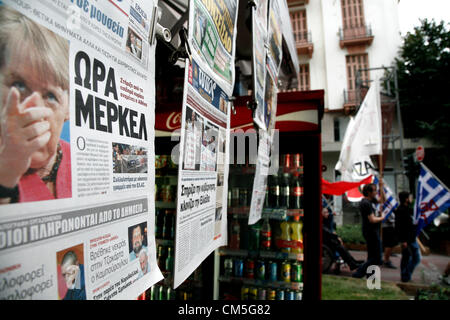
(371,220)
(389,240)
(406,231)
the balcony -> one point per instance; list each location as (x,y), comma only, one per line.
(304,43)
(355,36)
(353,98)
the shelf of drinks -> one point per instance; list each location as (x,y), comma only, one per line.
(263,283)
(271,213)
(246,170)
(224,251)
(166,204)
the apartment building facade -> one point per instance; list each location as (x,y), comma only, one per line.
(336,40)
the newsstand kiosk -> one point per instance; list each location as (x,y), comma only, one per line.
(246,268)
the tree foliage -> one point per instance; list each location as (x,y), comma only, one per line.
(424,81)
(423,70)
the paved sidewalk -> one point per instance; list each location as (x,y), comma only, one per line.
(429,270)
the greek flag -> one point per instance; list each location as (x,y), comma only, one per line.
(391,203)
(432,198)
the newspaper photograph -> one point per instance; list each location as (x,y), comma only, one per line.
(212,35)
(77,150)
(203,174)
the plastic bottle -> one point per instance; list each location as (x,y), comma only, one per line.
(285,233)
(296,233)
(266,235)
(296,192)
(284,191)
(274,192)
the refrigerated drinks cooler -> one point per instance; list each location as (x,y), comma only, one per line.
(279,257)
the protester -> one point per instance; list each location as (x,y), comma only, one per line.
(406,231)
(328,218)
(370,227)
(335,243)
(73,273)
(34,103)
(389,237)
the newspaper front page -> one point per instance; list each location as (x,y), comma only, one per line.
(201,224)
(77,150)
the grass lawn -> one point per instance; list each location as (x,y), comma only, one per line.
(344,288)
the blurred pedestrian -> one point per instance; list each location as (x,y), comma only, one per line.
(389,240)
(406,231)
(371,220)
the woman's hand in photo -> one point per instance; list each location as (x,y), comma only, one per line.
(23,130)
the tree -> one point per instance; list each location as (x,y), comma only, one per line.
(423,70)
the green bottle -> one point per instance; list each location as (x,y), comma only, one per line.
(169,260)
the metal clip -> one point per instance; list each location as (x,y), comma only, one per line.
(184,51)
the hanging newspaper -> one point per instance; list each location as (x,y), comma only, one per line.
(265,149)
(275,36)
(77,152)
(201,222)
(259,30)
(212,35)
(260,181)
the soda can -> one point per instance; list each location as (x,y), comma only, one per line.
(280,294)
(298,295)
(261,270)
(238,268)
(244,293)
(262,294)
(271,294)
(272,265)
(286,271)
(250,269)
(252,293)
(296,272)
(228,267)
(290,295)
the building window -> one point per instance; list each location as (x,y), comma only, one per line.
(303,76)
(299,26)
(337,129)
(352,14)
(354,63)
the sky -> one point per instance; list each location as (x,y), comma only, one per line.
(410,11)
